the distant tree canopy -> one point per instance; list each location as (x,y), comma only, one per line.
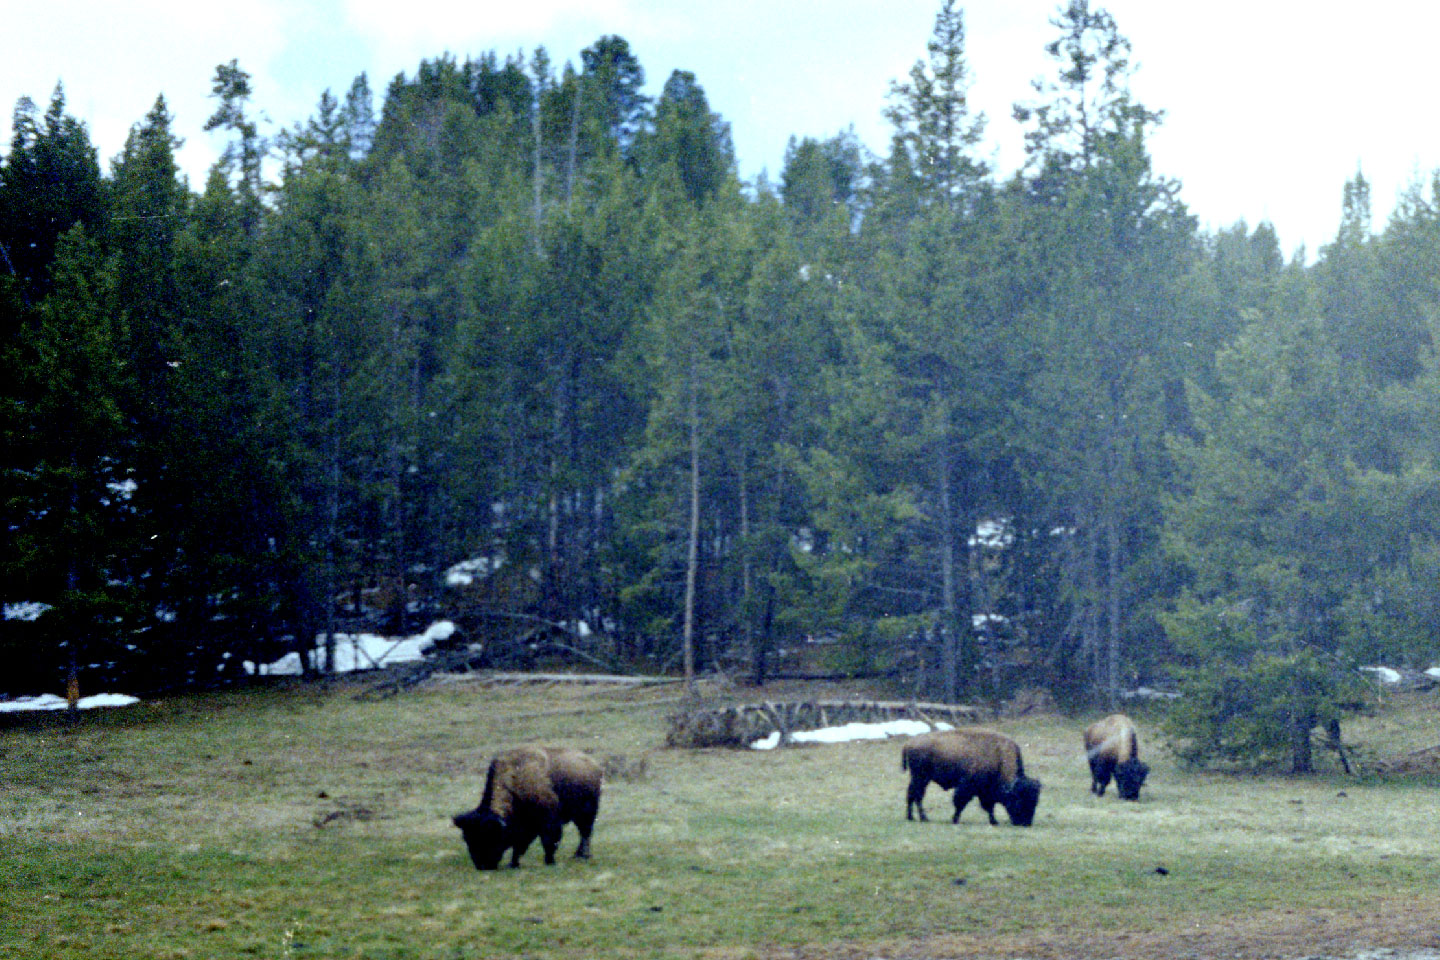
(902,416)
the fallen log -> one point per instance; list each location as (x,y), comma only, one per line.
(610,679)
(739,725)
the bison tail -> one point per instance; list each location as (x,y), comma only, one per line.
(905,758)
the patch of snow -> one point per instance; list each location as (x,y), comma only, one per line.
(107,700)
(1384,674)
(123,489)
(50,701)
(25,610)
(466,572)
(358,651)
(851,732)
(994,533)
(767,743)
(981,621)
(1148,693)
(286,666)
(1433,672)
(439,630)
(122,492)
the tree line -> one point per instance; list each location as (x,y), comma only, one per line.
(974,431)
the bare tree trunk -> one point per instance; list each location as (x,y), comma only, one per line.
(1301,758)
(552,533)
(1112,588)
(1112,560)
(950,626)
(692,561)
(332,526)
(537,210)
(571,158)
(72,588)
(1090,597)
(747,573)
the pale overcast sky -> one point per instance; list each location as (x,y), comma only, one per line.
(1270,106)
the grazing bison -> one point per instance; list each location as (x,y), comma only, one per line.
(1113,749)
(974,763)
(532,792)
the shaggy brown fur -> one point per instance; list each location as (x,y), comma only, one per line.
(974,763)
(532,792)
(1112,748)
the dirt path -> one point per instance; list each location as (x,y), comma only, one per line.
(1398,931)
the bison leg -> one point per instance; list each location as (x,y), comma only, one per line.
(522,843)
(962,797)
(989,809)
(549,842)
(914,797)
(1099,776)
(585,822)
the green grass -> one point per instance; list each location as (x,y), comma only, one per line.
(188,828)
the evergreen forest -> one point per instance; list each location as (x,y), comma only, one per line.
(510,343)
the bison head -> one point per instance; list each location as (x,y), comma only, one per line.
(485,837)
(1129,777)
(1020,800)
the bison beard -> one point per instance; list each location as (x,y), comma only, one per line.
(531,792)
(979,764)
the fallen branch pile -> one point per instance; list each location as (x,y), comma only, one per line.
(461,662)
(1423,762)
(742,724)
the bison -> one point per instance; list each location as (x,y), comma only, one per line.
(1113,749)
(974,763)
(532,792)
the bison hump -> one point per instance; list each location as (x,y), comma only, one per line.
(520,781)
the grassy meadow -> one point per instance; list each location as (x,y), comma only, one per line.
(304,822)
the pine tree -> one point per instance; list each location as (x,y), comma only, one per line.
(688,137)
(619,77)
(931,116)
(1272,525)
(73,533)
(925,323)
(244,156)
(1373,312)
(1116,244)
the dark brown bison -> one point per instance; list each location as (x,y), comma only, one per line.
(532,792)
(1113,749)
(974,763)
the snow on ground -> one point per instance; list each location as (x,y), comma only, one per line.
(1148,693)
(25,610)
(1384,674)
(49,701)
(364,651)
(467,572)
(359,651)
(852,731)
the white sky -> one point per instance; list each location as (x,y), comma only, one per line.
(1271,105)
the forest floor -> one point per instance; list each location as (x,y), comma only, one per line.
(295,821)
